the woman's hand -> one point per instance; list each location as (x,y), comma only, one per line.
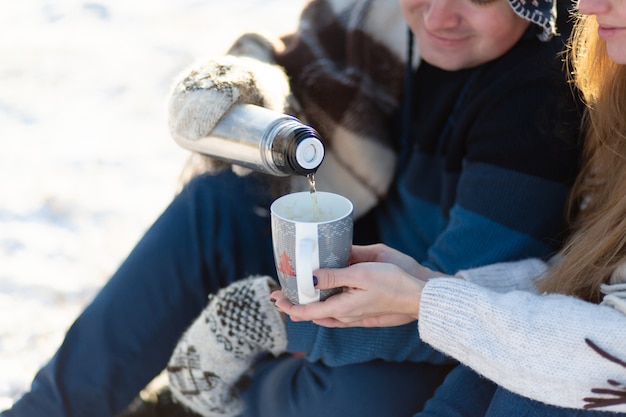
(380,290)
(383,253)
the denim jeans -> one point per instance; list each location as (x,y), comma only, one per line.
(206,238)
(214,232)
(505,403)
(290,386)
(466,394)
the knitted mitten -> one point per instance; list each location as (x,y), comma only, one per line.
(238,323)
(615,291)
(202,96)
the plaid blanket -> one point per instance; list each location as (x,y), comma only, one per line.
(345,66)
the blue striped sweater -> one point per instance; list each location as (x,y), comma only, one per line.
(484,173)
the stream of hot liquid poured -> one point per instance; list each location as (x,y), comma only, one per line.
(316,214)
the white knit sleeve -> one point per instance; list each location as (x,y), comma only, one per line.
(533,345)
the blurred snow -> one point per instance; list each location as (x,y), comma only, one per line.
(86,162)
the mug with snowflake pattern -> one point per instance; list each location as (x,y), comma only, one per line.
(310,231)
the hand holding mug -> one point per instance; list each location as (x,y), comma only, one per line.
(382,253)
(310,231)
(379,291)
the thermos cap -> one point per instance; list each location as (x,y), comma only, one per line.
(310,153)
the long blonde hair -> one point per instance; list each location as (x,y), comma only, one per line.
(598,245)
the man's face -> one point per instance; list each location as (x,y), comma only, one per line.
(458,34)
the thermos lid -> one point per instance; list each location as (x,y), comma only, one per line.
(309,153)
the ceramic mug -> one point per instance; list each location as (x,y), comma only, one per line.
(310,231)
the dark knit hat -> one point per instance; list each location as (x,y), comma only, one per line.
(539,12)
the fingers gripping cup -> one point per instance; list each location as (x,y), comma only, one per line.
(310,231)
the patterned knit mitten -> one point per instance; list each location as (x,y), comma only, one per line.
(237,325)
(203,95)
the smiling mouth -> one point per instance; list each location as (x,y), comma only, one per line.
(450,40)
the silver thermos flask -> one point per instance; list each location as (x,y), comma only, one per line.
(263,140)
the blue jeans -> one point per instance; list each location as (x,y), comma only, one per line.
(291,386)
(464,393)
(506,403)
(214,232)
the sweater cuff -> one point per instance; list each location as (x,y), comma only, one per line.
(443,311)
(447,317)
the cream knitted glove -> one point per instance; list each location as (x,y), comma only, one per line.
(238,324)
(614,296)
(207,92)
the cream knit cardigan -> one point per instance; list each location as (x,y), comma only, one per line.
(552,348)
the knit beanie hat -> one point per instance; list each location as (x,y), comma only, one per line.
(539,12)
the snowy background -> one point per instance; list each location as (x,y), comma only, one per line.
(86,162)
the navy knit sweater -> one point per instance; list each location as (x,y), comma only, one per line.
(484,175)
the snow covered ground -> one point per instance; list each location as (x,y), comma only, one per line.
(86,162)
